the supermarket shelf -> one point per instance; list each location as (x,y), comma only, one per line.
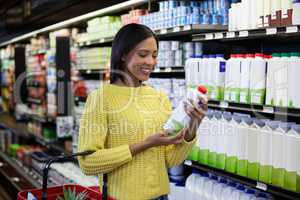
(248,34)
(23,178)
(253,109)
(278,192)
(190,29)
(20,129)
(175,31)
(95,42)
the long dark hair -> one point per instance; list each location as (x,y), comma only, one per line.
(126,40)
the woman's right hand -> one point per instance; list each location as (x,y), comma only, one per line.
(163,138)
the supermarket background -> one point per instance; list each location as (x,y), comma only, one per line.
(246,53)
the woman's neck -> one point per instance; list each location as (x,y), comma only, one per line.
(132,83)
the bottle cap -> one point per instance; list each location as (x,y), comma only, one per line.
(250,55)
(240,55)
(285,55)
(276,55)
(232,55)
(212,56)
(202,89)
(295,54)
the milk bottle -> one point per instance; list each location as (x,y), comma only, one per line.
(293,77)
(226,193)
(265,151)
(218,77)
(208,187)
(253,149)
(229,77)
(217,191)
(235,78)
(292,145)
(245,79)
(281,81)
(278,154)
(231,159)
(237,193)
(248,195)
(243,135)
(214,134)
(191,72)
(209,75)
(201,71)
(257,79)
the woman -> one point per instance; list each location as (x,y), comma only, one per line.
(123,120)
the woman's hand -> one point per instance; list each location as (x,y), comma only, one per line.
(163,138)
(157,139)
(196,112)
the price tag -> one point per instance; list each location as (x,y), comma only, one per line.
(230,35)
(176,29)
(271,31)
(188,162)
(268,109)
(261,186)
(187,27)
(224,104)
(168,69)
(218,35)
(209,36)
(163,31)
(102,40)
(243,34)
(292,29)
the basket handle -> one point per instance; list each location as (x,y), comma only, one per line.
(62,158)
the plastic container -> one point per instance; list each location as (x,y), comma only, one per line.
(253,149)
(265,151)
(218,78)
(231,159)
(296,12)
(292,145)
(214,140)
(243,135)
(179,119)
(245,79)
(293,71)
(235,74)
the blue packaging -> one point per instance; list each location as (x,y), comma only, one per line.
(183,21)
(161,5)
(196,11)
(205,6)
(224,17)
(183,3)
(195,19)
(172,5)
(206,19)
(216,19)
(188,19)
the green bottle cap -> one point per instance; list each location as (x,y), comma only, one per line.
(285,54)
(276,55)
(295,54)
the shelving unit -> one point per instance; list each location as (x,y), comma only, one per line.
(278,192)
(249,34)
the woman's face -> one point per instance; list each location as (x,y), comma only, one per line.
(141,61)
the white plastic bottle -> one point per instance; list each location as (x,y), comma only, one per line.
(296,12)
(293,77)
(209,74)
(214,139)
(275,7)
(200,185)
(229,77)
(208,187)
(235,75)
(191,72)
(248,195)
(237,193)
(267,12)
(292,146)
(281,81)
(278,154)
(246,13)
(226,193)
(253,152)
(257,79)
(218,188)
(265,151)
(285,6)
(273,64)
(253,14)
(260,13)
(204,69)
(245,79)
(201,71)
(220,76)
(179,119)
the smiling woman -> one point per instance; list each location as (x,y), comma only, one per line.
(123,123)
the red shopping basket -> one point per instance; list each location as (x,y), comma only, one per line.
(54,192)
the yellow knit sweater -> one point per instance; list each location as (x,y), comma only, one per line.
(116,117)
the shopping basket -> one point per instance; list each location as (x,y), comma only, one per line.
(52,193)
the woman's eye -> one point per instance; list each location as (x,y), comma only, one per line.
(143,55)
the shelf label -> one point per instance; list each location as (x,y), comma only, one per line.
(209,36)
(224,104)
(163,31)
(261,186)
(102,40)
(271,31)
(243,34)
(176,29)
(188,162)
(230,35)
(292,29)
(168,69)
(218,35)
(268,109)
(187,27)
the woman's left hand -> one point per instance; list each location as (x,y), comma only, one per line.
(196,112)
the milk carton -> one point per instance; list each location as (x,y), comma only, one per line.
(218,77)
(273,64)
(245,79)
(235,78)
(293,77)
(214,135)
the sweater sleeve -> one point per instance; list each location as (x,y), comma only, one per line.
(92,136)
(176,154)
